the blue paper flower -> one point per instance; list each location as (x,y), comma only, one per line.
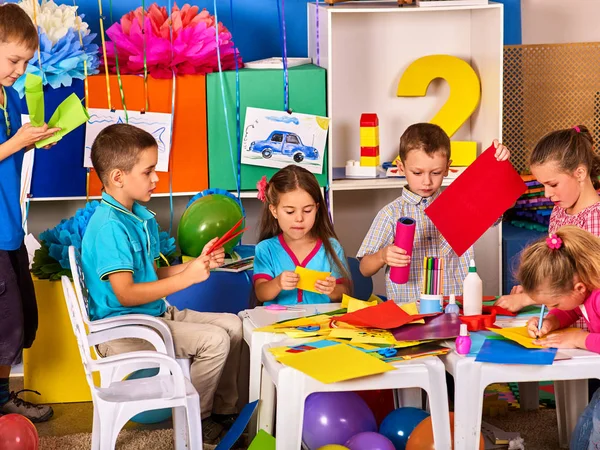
(56,242)
(63,61)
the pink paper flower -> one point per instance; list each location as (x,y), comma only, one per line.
(194,49)
(554,242)
(262,186)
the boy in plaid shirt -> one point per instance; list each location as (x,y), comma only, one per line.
(425,159)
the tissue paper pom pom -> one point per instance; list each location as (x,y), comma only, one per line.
(52,260)
(61,51)
(194,49)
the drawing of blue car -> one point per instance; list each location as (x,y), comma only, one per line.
(286,144)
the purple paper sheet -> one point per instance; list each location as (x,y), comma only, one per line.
(443,326)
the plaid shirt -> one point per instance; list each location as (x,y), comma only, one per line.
(428,242)
(587,219)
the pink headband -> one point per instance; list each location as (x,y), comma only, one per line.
(576,128)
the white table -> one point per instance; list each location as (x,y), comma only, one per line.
(260,317)
(471,378)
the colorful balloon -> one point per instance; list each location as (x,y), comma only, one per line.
(400,423)
(334,417)
(17,433)
(370,440)
(422,436)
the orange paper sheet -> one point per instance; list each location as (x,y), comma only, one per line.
(475,200)
(335,363)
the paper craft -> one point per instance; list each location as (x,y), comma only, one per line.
(238,266)
(34,96)
(442,326)
(364,336)
(276,139)
(418,351)
(335,363)
(502,351)
(354,304)
(69,115)
(227,237)
(157,124)
(521,336)
(262,441)
(386,315)
(238,427)
(475,200)
(309,277)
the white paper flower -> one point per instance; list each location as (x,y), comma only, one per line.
(54,20)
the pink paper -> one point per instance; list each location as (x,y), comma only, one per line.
(405,236)
(475,200)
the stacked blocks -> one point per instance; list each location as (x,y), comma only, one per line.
(369,140)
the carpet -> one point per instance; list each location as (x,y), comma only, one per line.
(128,440)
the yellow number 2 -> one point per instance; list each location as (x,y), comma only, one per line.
(465,94)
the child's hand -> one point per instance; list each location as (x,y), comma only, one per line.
(574,339)
(516,301)
(550,324)
(326,286)
(28,135)
(502,153)
(217,256)
(198,270)
(288,280)
(395,257)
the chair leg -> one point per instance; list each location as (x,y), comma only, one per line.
(194,423)
(180,429)
(108,426)
(96,432)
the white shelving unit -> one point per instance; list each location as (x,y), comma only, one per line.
(365,47)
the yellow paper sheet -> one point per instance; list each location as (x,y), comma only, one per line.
(309,277)
(354,304)
(411,308)
(298,334)
(364,336)
(304,321)
(521,336)
(335,363)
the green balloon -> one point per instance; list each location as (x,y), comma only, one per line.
(207,218)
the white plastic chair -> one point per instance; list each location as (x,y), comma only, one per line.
(116,402)
(294,386)
(152,330)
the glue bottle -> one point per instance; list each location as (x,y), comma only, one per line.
(463,342)
(472,292)
(452,307)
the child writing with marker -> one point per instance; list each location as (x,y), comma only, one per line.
(425,160)
(296,231)
(562,271)
(565,163)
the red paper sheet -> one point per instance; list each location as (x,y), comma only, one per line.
(386,315)
(475,200)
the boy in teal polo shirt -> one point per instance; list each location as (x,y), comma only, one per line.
(119,252)
(18,318)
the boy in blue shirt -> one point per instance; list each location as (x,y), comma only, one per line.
(119,252)
(18,312)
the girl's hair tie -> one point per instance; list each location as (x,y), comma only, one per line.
(576,128)
(262,185)
(554,242)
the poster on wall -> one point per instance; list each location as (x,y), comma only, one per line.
(157,124)
(276,139)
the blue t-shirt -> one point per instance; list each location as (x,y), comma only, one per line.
(273,256)
(119,240)
(11,222)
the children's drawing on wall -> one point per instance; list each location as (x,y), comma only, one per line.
(157,124)
(277,139)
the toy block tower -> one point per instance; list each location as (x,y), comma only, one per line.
(369,140)
(369,149)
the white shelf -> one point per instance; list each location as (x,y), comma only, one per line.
(392,7)
(243,194)
(358,184)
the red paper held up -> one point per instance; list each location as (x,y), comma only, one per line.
(475,200)
(386,315)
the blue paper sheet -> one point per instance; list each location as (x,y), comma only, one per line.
(509,352)
(238,427)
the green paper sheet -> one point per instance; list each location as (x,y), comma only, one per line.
(34,96)
(262,441)
(69,115)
